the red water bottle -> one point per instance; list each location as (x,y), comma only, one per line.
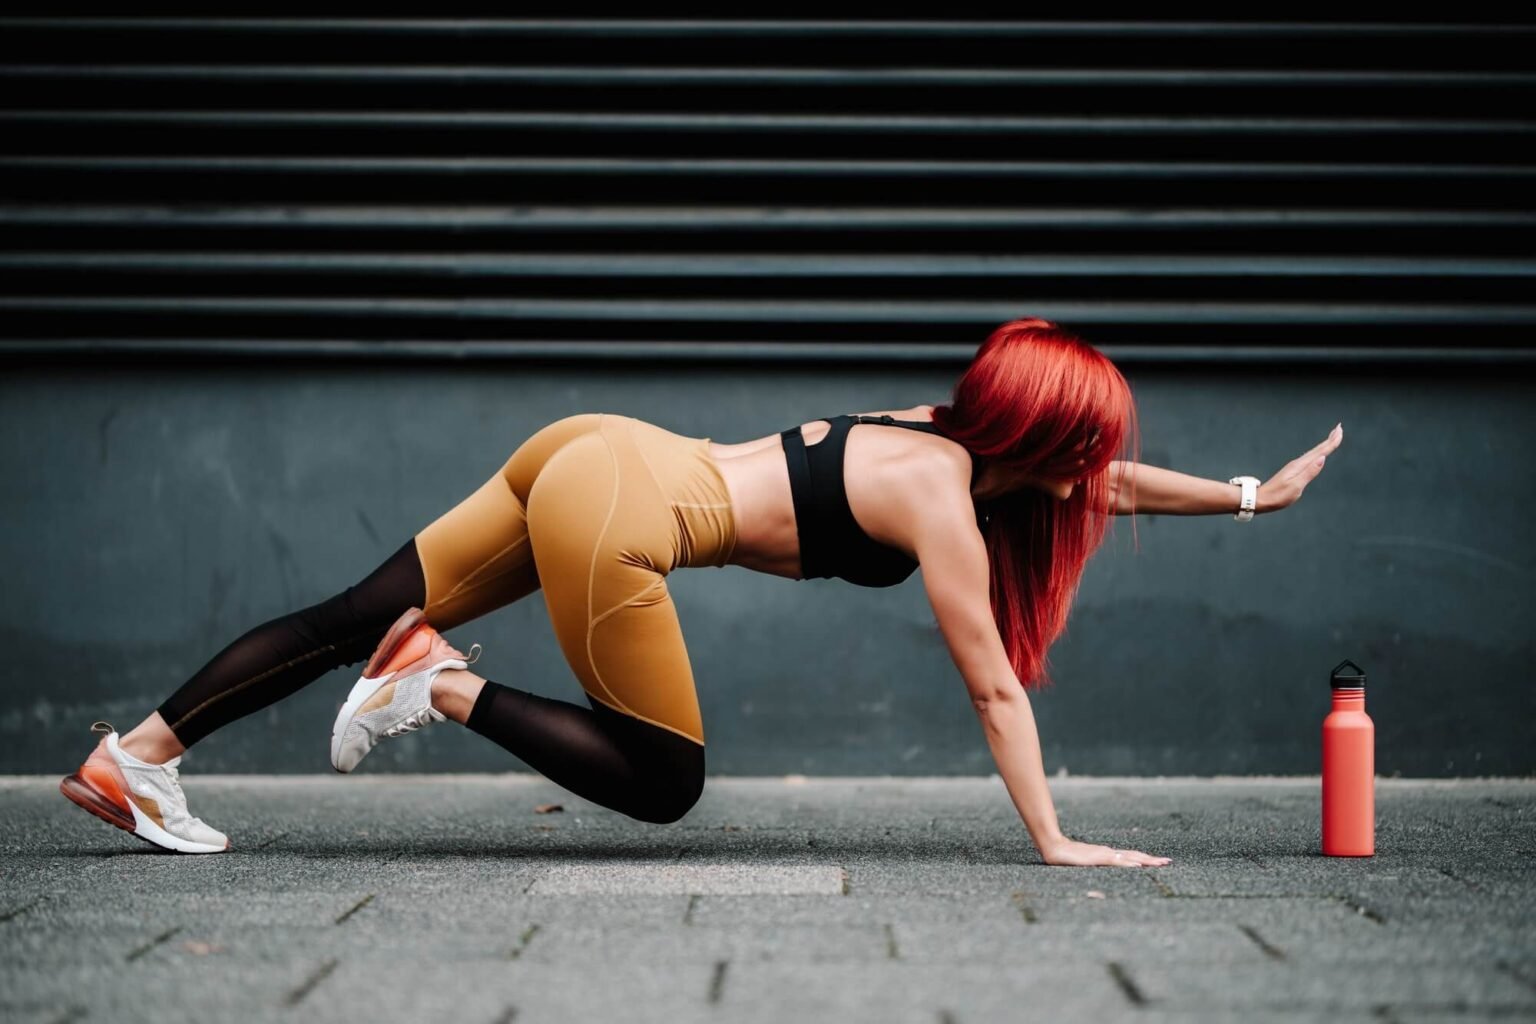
(1349,768)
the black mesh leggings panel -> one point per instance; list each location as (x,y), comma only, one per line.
(278,658)
(602,755)
(606,756)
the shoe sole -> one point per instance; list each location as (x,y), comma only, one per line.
(367,686)
(81,792)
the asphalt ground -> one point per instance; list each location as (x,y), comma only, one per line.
(380,898)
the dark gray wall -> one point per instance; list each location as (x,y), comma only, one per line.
(153,514)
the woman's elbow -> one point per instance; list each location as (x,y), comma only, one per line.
(992,700)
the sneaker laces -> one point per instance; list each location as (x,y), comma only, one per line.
(173,780)
(415,721)
(429,713)
(173,777)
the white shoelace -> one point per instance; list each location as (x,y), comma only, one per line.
(173,776)
(416,721)
(429,713)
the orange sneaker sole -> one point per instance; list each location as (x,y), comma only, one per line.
(80,791)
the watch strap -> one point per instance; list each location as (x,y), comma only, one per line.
(1250,497)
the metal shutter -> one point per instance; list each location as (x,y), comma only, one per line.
(761,188)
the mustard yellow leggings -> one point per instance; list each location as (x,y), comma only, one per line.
(596,508)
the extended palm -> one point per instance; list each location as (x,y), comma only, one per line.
(1282,489)
(1071,853)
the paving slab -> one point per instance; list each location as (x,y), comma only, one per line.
(704,879)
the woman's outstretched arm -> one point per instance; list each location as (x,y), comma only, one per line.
(1160,491)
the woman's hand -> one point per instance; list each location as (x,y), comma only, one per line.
(1071,853)
(1282,489)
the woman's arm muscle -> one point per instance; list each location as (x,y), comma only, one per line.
(957,578)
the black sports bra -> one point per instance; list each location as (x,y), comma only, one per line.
(831,541)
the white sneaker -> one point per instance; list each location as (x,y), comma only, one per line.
(139,797)
(394,695)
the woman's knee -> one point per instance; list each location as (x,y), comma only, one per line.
(669,768)
(665,799)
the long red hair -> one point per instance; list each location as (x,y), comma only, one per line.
(1033,395)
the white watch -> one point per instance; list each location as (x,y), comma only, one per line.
(1250,497)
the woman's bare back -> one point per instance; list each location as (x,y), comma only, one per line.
(876,475)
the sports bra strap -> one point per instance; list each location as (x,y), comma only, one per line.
(799,467)
(918,424)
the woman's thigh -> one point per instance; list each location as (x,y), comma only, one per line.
(604,536)
(476,556)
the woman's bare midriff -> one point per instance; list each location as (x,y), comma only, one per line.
(758,480)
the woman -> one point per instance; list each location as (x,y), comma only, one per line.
(596,509)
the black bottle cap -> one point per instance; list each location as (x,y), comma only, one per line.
(1341,680)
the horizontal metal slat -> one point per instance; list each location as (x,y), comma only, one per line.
(791,352)
(807,77)
(797,311)
(670,265)
(732,123)
(683,166)
(755,28)
(470,217)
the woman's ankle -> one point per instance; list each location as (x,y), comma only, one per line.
(152,741)
(454,692)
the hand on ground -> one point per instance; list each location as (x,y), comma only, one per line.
(1071,853)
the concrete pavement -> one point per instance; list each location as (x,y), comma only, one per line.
(450,897)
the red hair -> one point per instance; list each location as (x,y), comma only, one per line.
(1032,395)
